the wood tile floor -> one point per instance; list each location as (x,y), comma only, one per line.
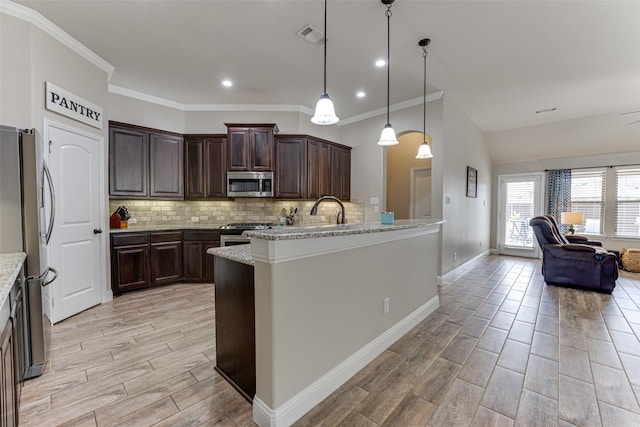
(502,349)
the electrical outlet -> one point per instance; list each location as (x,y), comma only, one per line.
(385,304)
(132,221)
(195,219)
(455,256)
(376,209)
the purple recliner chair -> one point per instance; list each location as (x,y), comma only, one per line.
(573,264)
(571,238)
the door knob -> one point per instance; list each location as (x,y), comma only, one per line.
(97,231)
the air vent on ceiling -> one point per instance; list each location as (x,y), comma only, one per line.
(546,110)
(312,35)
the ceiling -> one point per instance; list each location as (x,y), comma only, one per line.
(499,61)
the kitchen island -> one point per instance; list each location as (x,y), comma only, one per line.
(330,299)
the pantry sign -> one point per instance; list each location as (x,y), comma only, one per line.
(66,103)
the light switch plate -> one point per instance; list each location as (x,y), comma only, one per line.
(375,201)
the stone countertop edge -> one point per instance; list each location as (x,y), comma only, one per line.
(238,253)
(209,227)
(291,233)
(10,265)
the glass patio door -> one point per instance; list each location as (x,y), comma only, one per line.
(520,199)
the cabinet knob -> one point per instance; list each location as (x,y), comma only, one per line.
(97,231)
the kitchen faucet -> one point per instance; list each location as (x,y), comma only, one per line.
(314,209)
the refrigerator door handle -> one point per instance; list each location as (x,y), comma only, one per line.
(43,275)
(52,202)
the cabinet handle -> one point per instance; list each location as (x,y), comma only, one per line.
(97,231)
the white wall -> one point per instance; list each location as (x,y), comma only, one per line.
(306,328)
(457,143)
(15,72)
(466,232)
(602,134)
(133,111)
(368,163)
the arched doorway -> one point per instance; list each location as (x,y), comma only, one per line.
(408,186)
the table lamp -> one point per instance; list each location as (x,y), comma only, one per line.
(571,218)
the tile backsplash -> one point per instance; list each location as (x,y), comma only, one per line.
(147,213)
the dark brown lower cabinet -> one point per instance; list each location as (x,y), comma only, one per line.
(129,262)
(166,257)
(143,259)
(198,265)
(8,396)
(235,325)
(18,317)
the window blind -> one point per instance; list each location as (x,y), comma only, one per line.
(628,202)
(587,196)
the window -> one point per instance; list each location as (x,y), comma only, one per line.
(628,202)
(587,196)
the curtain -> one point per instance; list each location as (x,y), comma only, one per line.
(559,194)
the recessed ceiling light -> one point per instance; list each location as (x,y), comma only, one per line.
(381,63)
(227,83)
(361,94)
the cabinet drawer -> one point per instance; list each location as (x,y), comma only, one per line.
(201,235)
(129,239)
(169,236)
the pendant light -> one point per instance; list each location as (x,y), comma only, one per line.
(388,135)
(325,113)
(424,151)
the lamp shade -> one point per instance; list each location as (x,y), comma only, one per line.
(325,113)
(424,151)
(570,218)
(388,136)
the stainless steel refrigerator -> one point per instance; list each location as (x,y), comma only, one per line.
(27,214)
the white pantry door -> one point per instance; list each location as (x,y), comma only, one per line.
(76,163)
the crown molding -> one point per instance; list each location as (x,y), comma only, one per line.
(35,18)
(130,93)
(118,90)
(250,107)
(394,107)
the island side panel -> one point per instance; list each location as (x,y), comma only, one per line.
(235,324)
(314,313)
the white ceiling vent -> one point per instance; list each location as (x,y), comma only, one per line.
(312,35)
(546,110)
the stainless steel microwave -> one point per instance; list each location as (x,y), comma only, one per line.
(250,184)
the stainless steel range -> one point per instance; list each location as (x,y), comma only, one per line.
(231,234)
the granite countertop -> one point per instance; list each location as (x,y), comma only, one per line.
(147,229)
(10,265)
(292,233)
(238,253)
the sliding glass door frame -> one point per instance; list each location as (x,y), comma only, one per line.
(515,236)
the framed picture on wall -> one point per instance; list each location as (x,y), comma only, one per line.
(472,182)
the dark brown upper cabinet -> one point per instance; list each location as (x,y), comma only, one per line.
(308,168)
(290,174)
(144,163)
(341,172)
(205,166)
(128,162)
(318,168)
(250,147)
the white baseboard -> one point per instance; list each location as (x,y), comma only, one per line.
(462,268)
(316,392)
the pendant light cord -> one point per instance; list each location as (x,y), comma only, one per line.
(388,13)
(424,94)
(324,89)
